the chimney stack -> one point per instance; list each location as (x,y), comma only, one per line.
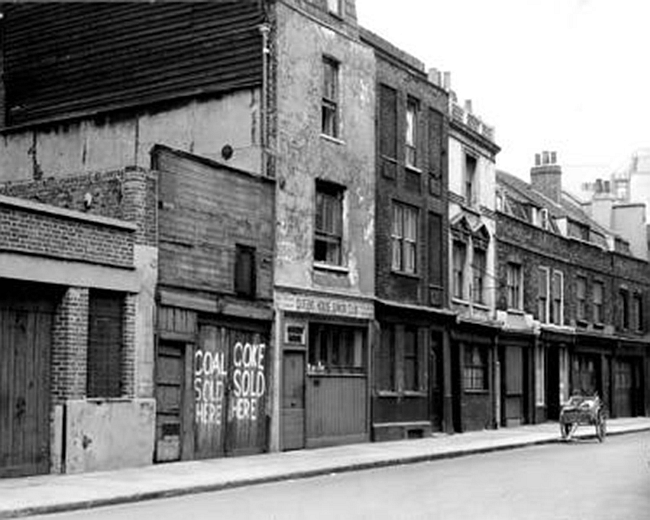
(435,77)
(546,175)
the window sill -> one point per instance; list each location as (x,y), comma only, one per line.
(332,139)
(414,276)
(476,392)
(413,169)
(414,393)
(335,269)
(517,312)
(480,306)
(460,301)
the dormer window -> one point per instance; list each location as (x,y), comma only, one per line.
(543,218)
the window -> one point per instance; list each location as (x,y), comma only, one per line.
(388,124)
(470,179)
(581,298)
(335,7)
(557,303)
(540,376)
(330,116)
(479,266)
(412,107)
(404,238)
(543,218)
(475,368)
(385,369)
(329,223)
(514,283)
(336,349)
(104,361)
(624,309)
(245,271)
(459,253)
(411,364)
(542,294)
(637,309)
(598,289)
(435,249)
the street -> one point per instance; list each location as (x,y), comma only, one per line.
(576,480)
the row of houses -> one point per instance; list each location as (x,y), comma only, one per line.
(235,227)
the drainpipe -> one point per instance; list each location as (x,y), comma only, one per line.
(264,29)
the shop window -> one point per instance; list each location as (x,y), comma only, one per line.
(336,349)
(557,302)
(475,368)
(385,370)
(598,290)
(105,343)
(404,238)
(245,271)
(411,127)
(330,103)
(411,359)
(479,267)
(459,254)
(328,239)
(581,298)
(542,294)
(514,283)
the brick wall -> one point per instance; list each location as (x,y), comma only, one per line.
(128,346)
(69,346)
(26,231)
(410,187)
(128,194)
(533,247)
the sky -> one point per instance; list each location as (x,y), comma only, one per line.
(566,75)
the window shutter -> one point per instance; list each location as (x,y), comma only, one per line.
(435,249)
(245,270)
(388,122)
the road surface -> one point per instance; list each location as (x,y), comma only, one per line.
(576,480)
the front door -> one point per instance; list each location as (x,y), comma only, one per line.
(624,388)
(514,386)
(25,339)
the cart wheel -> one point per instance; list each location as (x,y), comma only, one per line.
(601,428)
(565,430)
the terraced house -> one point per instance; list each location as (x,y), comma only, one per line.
(573,297)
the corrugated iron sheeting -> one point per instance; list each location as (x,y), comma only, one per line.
(62,59)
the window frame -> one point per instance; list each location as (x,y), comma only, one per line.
(597,298)
(458,268)
(637,311)
(400,243)
(514,273)
(329,191)
(581,299)
(624,309)
(559,307)
(478,275)
(330,109)
(411,132)
(473,373)
(469,179)
(545,318)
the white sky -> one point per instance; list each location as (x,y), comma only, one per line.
(565,75)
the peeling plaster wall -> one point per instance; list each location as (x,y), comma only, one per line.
(304,155)
(118,140)
(95,434)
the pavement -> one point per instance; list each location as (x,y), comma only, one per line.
(45,494)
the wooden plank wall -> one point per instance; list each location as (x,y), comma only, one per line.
(64,58)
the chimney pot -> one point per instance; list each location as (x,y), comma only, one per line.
(447,80)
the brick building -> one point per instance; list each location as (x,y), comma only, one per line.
(410,249)
(472,274)
(77,260)
(573,295)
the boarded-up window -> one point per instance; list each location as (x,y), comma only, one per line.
(436,144)
(435,249)
(388,122)
(336,349)
(245,271)
(104,344)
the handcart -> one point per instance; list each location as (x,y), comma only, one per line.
(583,410)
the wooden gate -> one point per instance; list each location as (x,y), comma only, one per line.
(25,339)
(230,392)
